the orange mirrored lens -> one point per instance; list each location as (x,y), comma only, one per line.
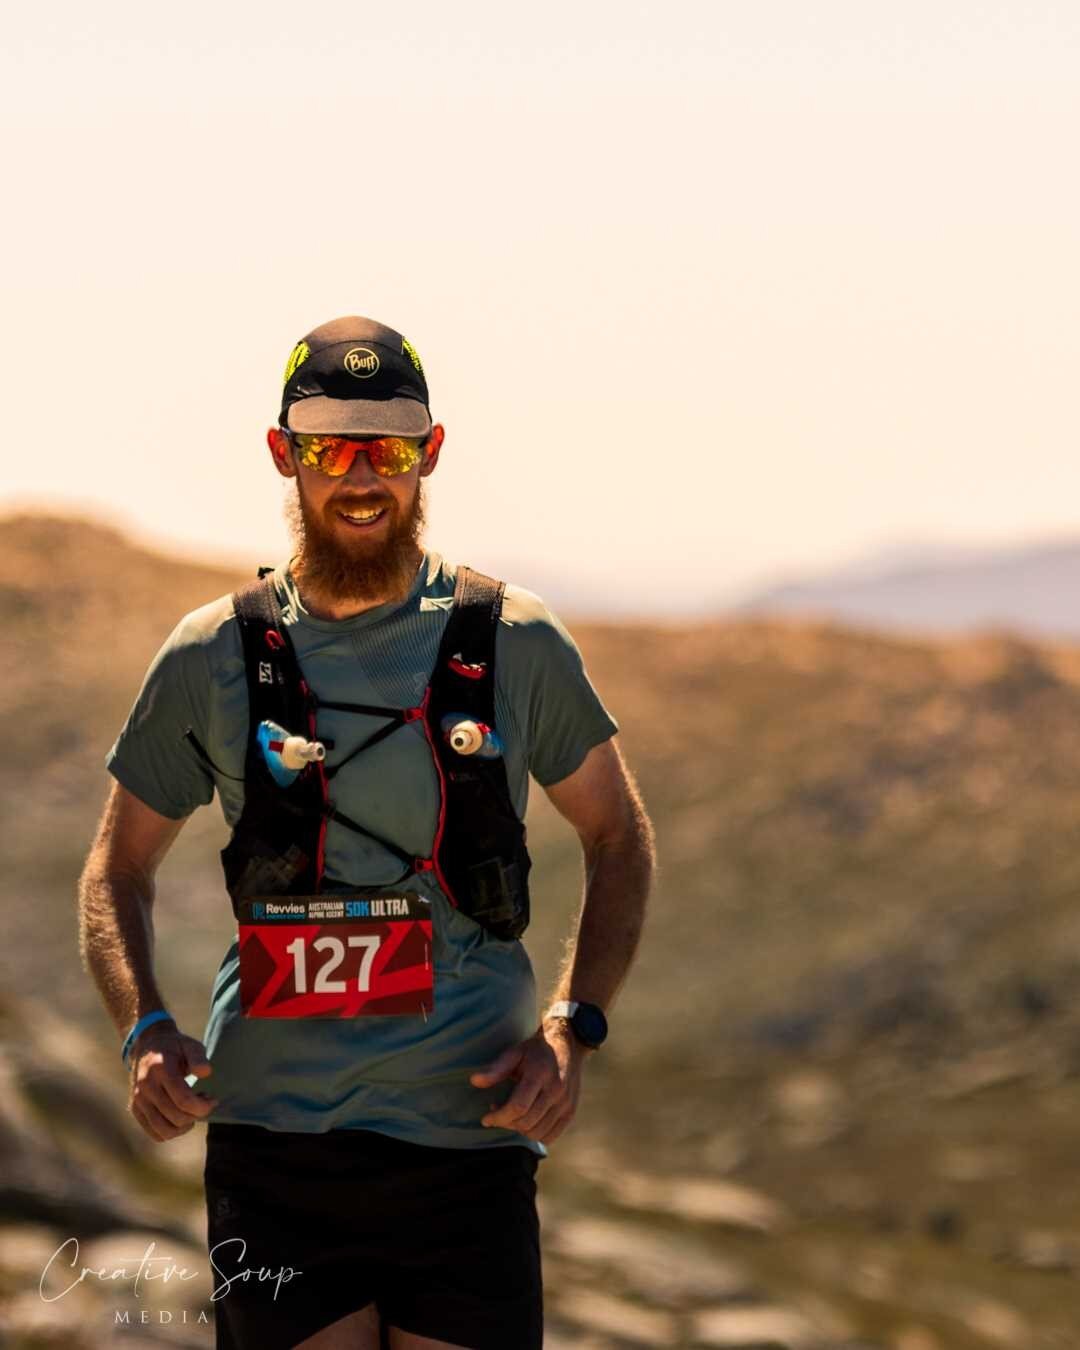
(334,455)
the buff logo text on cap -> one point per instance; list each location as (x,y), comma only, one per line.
(361,362)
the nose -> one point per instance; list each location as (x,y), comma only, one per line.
(361,474)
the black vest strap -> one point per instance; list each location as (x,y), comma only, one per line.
(349,823)
(469,641)
(357,708)
(398,720)
(480,854)
(464,677)
(277,844)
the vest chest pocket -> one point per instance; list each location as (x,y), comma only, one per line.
(252,866)
(497,894)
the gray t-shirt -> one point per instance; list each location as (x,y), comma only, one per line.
(403,1075)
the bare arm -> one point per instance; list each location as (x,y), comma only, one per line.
(116,938)
(116,897)
(603,804)
(601,801)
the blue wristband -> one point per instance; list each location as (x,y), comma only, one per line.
(140,1026)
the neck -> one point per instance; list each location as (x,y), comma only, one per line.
(324,605)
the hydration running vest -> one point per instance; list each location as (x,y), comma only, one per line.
(478,854)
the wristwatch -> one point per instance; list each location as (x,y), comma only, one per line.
(586,1020)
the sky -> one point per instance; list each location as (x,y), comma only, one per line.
(708,295)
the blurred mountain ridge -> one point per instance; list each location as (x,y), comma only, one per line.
(1028,587)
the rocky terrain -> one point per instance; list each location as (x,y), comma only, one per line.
(840,1104)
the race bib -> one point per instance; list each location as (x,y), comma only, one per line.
(350,954)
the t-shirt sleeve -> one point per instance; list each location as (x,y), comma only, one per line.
(151,757)
(565,716)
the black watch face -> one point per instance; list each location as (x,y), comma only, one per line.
(591,1024)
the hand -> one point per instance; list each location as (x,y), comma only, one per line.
(547,1068)
(161,1101)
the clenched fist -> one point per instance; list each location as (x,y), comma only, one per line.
(161,1100)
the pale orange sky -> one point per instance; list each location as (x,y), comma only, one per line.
(705,292)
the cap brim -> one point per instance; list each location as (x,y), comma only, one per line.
(358,417)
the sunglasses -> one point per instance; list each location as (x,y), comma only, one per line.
(334,455)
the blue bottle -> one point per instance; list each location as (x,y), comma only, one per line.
(286,756)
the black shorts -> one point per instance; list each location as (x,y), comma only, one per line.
(306,1228)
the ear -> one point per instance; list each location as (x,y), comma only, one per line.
(281,451)
(432,448)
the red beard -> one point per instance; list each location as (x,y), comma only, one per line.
(341,569)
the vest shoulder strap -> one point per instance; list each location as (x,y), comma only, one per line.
(273,672)
(482,860)
(468,643)
(256,603)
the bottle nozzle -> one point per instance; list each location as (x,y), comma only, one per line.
(296,752)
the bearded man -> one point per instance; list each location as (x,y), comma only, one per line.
(376,1086)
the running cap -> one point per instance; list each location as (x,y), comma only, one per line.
(355,377)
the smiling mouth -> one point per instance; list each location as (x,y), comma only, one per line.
(363,517)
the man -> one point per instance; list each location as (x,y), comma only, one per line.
(377,1088)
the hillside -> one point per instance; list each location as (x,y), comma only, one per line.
(856,995)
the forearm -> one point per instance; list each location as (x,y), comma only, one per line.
(618,878)
(116,940)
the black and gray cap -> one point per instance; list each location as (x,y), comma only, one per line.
(355,377)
